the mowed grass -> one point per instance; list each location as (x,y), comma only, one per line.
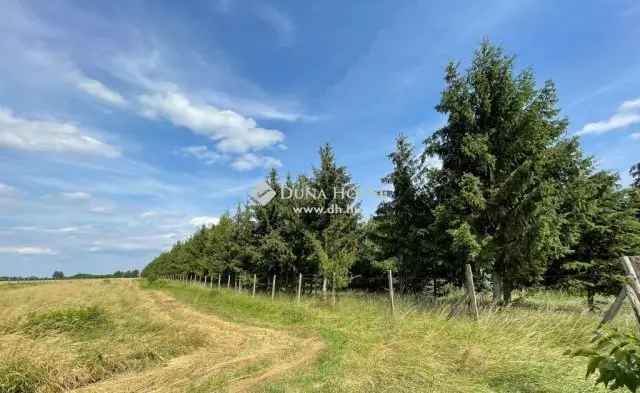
(517,349)
(59,336)
(114,336)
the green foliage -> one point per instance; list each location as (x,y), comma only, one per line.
(514,197)
(58,275)
(20,376)
(401,225)
(502,190)
(275,238)
(85,320)
(616,358)
(635,173)
(608,230)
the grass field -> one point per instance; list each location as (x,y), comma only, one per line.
(124,336)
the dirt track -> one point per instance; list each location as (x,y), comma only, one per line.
(235,358)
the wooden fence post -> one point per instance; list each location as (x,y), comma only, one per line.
(333,290)
(253,293)
(324,288)
(633,287)
(299,287)
(471,291)
(391,294)
(273,288)
(615,307)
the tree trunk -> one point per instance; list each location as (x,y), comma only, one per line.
(507,288)
(590,299)
(497,287)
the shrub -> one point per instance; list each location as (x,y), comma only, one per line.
(616,358)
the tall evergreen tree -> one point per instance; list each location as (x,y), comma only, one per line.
(506,170)
(635,173)
(402,221)
(608,230)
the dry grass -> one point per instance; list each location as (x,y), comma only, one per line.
(114,336)
(110,336)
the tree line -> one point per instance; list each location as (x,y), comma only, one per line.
(514,196)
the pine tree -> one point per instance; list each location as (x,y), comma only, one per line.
(506,172)
(402,221)
(635,173)
(608,230)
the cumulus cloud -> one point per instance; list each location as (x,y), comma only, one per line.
(204,220)
(249,161)
(99,90)
(27,250)
(628,113)
(47,135)
(203,154)
(232,132)
(78,195)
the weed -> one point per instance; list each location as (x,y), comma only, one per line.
(80,321)
(20,376)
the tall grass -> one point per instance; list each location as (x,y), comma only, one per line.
(515,349)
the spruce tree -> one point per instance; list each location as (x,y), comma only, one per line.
(402,220)
(635,173)
(608,230)
(507,171)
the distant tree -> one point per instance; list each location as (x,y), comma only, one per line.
(608,230)
(506,177)
(635,173)
(58,275)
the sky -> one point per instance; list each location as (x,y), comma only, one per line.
(124,126)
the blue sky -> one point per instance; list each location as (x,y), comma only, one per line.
(125,125)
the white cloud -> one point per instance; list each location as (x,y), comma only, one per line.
(149,214)
(6,189)
(249,161)
(99,209)
(628,113)
(630,105)
(203,153)
(433,162)
(79,195)
(27,250)
(46,135)
(62,230)
(233,132)
(636,136)
(280,22)
(204,220)
(99,90)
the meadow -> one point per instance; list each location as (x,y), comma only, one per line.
(125,335)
